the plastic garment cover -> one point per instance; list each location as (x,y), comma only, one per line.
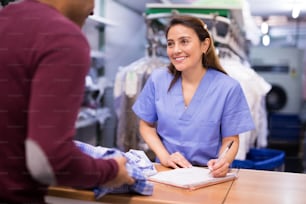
(255,89)
(129,82)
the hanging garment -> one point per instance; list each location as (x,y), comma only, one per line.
(129,82)
(255,89)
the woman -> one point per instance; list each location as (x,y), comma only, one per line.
(192,111)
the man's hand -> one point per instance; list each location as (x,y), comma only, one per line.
(122,176)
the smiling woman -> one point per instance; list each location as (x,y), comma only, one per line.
(192,110)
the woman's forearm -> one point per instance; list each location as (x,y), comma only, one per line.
(149,135)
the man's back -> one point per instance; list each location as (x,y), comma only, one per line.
(44,58)
(28,32)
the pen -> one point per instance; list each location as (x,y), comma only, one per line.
(226,150)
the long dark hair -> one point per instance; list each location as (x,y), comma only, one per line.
(209,59)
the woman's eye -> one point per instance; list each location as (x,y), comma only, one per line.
(170,44)
(184,41)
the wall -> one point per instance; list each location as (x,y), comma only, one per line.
(126,40)
(124,43)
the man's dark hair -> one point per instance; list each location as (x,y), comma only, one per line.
(5,2)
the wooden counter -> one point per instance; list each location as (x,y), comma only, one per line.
(251,187)
(162,194)
(267,187)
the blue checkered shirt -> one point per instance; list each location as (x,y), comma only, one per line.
(138,166)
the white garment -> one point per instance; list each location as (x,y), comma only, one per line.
(255,89)
(129,82)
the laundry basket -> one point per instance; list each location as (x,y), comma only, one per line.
(262,159)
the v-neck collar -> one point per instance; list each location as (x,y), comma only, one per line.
(198,96)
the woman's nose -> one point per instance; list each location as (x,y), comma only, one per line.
(177,49)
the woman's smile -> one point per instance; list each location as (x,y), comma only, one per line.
(180,59)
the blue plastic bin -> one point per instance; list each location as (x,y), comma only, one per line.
(262,159)
(284,127)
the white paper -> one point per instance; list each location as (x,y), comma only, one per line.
(191,178)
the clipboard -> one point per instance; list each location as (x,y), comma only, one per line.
(190,178)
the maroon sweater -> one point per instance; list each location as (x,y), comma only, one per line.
(44,58)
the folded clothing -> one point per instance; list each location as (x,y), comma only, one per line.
(138,166)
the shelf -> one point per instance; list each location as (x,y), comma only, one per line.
(222,23)
(101,20)
(92,116)
(153,8)
(97,54)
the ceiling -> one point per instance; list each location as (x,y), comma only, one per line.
(275,7)
(284,30)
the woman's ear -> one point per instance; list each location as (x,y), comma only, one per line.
(205,45)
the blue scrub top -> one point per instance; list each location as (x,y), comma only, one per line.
(218,109)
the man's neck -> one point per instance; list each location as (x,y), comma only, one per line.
(62,7)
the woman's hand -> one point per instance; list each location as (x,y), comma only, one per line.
(218,167)
(176,160)
(122,177)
